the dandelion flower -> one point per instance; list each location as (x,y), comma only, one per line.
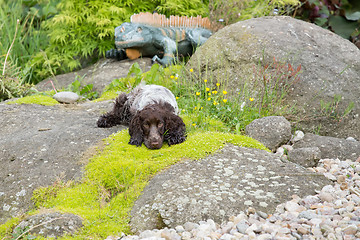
(207,89)
(191,70)
(209,99)
(195,108)
(205,80)
(251,99)
(176,77)
(209,94)
(224,92)
(197,93)
(194,124)
(183,110)
(171,76)
(218,84)
(214,92)
(224,100)
(177,97)
(215,103)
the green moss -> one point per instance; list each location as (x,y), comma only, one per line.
(107,95)
(36,99)
(6,228)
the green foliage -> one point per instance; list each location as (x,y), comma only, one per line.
(6,228)
(331,109)
(22,233)
(85,91)
(84,30)
(29,38)
(11,87)
(340,16)
(19,39)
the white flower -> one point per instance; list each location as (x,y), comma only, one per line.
(242,106)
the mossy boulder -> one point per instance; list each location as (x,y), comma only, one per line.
(321,65)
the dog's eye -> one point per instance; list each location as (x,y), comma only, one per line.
(146,125)
(160,125)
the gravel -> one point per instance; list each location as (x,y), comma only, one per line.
(333,213)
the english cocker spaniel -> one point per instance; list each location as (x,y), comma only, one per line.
(151,112)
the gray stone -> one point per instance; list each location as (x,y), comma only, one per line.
(233,54)
(271,131)
(331,147)
(308,214)
(306,157)
(51,225)
(241,227)
(215,187)
(40,143)
(66,97)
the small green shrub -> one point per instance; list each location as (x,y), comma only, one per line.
(85,91)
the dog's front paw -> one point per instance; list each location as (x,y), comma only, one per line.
(103,123)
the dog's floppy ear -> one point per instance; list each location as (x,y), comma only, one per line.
(175,130)
(136,132)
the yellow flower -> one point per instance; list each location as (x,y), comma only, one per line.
(218,84)
(176,78)
(177,97)
(209,94)
(201,108)
(194,124)
(251,99)
(214,92)
(209,99)
(183,110)
(224,92)
(207,89)
(191,70)
(205,80)
(215,103)
(195,108)
(171,76)
(224,100)
(197,93)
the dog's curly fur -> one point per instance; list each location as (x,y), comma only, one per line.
(151,113)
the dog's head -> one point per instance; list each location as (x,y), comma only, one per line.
(155,124)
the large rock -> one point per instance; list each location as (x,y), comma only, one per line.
(331,147)
(39,144)
(330,65)
(306,157)
(272,131)
(219,186)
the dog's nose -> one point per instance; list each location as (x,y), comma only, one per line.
(155,144)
